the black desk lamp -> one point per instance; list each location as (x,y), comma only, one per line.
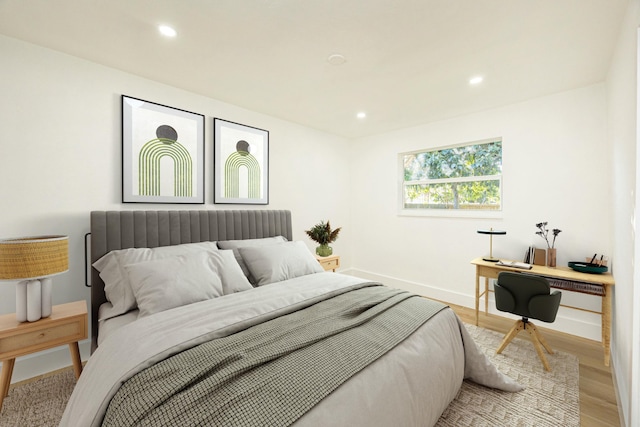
(491,232)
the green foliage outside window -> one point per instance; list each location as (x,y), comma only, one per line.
(462,177)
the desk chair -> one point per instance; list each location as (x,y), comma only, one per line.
(527,296)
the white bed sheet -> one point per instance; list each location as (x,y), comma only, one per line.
(108,326)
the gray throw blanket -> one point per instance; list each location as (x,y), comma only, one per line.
(272,373)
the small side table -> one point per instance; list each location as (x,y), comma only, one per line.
(66,325)
(329,262)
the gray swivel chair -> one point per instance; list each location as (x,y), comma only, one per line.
(527,296)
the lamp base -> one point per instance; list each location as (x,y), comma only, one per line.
(33,300)
(490,259)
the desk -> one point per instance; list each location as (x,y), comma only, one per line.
(490,270)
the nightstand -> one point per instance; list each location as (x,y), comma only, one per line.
(66,325)
(329,262)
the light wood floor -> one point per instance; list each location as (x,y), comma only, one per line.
(598,405)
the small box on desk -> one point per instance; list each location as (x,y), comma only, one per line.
(539,257)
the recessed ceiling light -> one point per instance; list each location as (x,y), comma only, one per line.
(476,80)
(361,115)
(336,59)
(167,31)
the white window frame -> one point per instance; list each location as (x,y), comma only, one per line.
(448,213)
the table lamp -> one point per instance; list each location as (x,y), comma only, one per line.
(491,232)
(32,261)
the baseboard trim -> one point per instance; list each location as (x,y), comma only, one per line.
(563,323)
(41,363)
(39,377)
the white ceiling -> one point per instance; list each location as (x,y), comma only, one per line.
(407,61)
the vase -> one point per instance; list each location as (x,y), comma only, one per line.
(324,250)
(551,257)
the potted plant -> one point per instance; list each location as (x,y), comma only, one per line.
(323,235)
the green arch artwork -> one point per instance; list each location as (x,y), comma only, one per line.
(165,145)
(241,158)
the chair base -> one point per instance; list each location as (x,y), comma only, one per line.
(536,337)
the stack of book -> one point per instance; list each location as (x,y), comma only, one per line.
(535,256)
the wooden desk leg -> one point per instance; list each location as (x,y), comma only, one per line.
(477,295)
(606,324)
(5,379)
(486,295)
(75,357)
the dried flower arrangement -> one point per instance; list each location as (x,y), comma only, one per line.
(544,233)
(322,234)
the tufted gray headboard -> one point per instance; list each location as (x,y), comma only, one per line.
(112,230)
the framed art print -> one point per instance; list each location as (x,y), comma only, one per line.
(162,153)
(241,164)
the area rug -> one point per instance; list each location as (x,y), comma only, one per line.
(38,403)
(550,399)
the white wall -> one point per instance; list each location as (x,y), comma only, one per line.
(622,101)
(555,169)
(60,158)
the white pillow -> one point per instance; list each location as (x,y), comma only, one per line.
(275,263)
(116,281)
(234,245)
(162,284)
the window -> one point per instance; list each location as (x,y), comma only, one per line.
(466,177)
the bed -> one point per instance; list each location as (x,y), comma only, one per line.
(224,320)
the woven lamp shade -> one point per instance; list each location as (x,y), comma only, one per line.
(33,257)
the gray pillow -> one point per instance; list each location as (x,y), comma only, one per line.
(234,245)
(162,284)
(275,263)
(116,281)
(232,276)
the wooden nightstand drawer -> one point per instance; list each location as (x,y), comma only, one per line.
(329,262)
(42,338)
(67,324)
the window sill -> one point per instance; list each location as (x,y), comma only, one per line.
(448,213)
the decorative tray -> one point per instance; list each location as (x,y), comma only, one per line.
(587,267)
